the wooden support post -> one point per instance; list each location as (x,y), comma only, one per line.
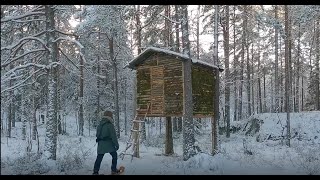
(169,139)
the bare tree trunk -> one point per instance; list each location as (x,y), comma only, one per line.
(175,124)
(235,117)
(246,39)
(198,30)
(302,93)
(227,75)
(179,123)
(264,109)
(242,63)
(59,120)
(160,122)
(34,111)
(116,89)
(297,96)
(176,15)
(13,112)
(169,139)
(10,107)
(287,91)
(276,54)
(24,114)
(188,131)
(166,26)
(138,25)
(317,64)
(9,117)
(51,125)
(253,80)
(98,109)
(215,122)
(138,33)
(98,93)
(281,96)
(259,78)
(125,108)
(81,119)
(172,45)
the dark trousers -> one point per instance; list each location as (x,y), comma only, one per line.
(99,159)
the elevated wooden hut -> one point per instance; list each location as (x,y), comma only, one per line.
(160,83)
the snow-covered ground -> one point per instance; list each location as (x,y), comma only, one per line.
(238,154)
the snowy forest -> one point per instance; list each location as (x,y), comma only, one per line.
(61,65)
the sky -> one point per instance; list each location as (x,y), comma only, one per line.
(205,40)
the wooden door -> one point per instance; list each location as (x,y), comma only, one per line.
(157,90)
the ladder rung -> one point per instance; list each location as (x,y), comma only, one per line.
(134,143)
(138,121)
(135,130)
(142,111)
(127,154)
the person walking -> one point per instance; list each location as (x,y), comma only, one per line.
(107,142)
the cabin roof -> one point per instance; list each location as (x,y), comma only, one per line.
(150,50)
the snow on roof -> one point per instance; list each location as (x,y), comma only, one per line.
(148,51)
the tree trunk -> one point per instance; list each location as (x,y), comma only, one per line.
(169,139)
(9,118)
(198,30)
(138,25)
(259,77)
(317,66)
(98,93)
(179,123)
(13,111)
(281,96)
(24,114)
(176,15)
(235,115)
(10,107)
(34,124)
(51,125)
(81,119)
(287,61)
(264,109)
(172,45)
(215,120)
(253,79)
(98,108)
(227,75)
(116,89)
(245,26)
(138,33)
(58,92)
(175,124)
(125,108)
(297,96)
(188,131)
(166,26)
(276,80)
(242,63)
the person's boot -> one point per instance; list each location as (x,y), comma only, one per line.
(95,173)
(115,172)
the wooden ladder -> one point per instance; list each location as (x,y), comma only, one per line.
(134,138)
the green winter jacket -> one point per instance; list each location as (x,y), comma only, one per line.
(107,137)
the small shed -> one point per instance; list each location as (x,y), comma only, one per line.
(160,83)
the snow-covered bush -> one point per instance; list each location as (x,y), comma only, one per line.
(28,164)
(308,159)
